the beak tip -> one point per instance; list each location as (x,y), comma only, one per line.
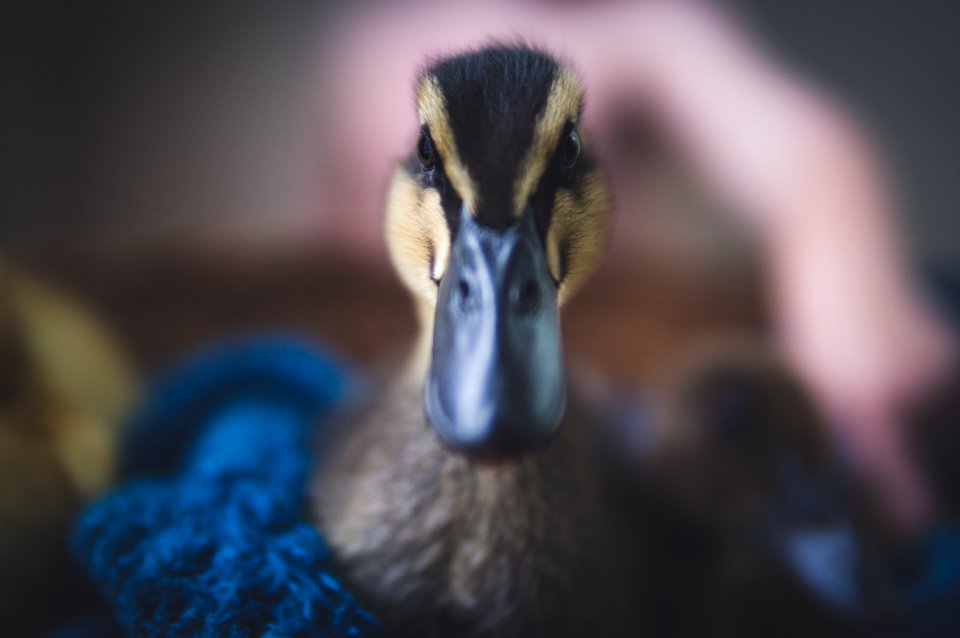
(486,434)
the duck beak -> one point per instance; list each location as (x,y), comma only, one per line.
(495,386)
(816,542)
(820,546)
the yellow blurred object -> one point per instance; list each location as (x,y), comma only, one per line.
(64,388)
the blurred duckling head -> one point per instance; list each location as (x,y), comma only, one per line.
(738,432)
(493,220)
(746,454)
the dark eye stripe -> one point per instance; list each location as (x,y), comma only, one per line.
(432,261)
(564,252)
(425,151)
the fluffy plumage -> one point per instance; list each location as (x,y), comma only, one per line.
(438,546)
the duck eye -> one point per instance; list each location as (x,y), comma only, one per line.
(425,151)
(570,151)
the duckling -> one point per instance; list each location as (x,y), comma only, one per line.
(464,499)
(754,522)
(64,386)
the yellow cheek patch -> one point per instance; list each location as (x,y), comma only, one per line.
(417,234)
(578,232)
(432,111)
(563,106)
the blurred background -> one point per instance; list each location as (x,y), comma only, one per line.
(187,172)
(167,161)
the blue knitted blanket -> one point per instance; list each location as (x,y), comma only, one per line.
(207,537)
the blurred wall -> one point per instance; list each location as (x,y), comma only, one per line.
(898,65)
(122,120)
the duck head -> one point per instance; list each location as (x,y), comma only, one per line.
(492,221)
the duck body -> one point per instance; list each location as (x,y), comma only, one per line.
(437,545)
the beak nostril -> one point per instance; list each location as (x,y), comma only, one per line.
(466,293)
(527,296)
